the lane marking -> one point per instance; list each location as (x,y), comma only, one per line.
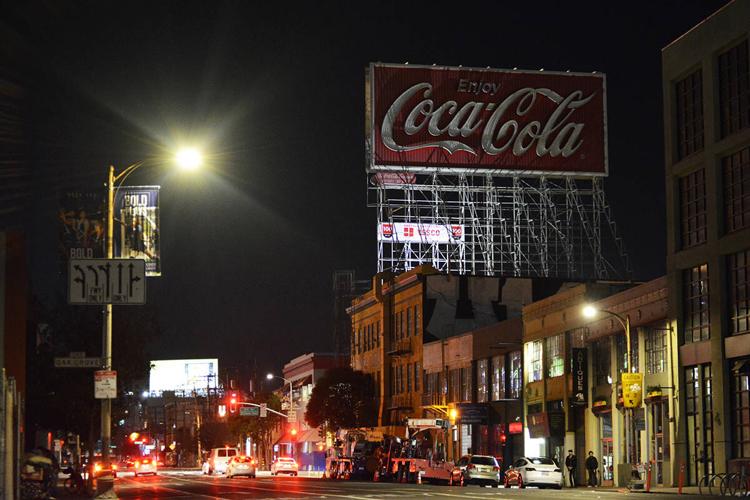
(182,492)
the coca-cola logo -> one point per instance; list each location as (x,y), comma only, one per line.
(517,120)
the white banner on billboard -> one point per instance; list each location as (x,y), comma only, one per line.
(183,375)
(409,232)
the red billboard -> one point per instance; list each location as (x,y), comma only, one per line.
(452,119)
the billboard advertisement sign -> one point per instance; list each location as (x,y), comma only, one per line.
(450,119)
(408,232)
(137,226)
(183,375)
(81,225)
(580,378)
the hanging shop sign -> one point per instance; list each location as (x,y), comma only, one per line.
(137,226)
(428,118)
(632,389)
(580,378)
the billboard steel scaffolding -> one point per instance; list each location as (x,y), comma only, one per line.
(510,226)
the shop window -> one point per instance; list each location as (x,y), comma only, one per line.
(689,116)
(741,409)
(482,381)
(699,413)
(516,374)
(534,360)
(554,355)
(738,267)
(693,208)
(695,304)
(734,89)
(498,377)
(656,350)
(736,169)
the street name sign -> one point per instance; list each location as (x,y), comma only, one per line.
(249,411)
(107,281)
(78,362)
(105,384)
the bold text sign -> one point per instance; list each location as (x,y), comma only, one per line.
(427,118)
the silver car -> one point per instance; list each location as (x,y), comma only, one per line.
(241,466)
(476,469)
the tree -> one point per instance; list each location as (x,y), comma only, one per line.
(342,399)
(260,429)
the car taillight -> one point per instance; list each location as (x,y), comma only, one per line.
(530,469)
(252,461)
(97,467)
(137,464)
(471,466)
(114,466)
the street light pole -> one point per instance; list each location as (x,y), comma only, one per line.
(271,376)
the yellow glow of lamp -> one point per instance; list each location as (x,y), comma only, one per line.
(189,158)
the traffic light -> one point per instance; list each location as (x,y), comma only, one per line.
(294,434)
(134,436)
(233,402)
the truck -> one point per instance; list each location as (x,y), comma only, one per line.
(421,454)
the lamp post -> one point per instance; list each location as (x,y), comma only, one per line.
(590,311)
(187,159)
(271,376)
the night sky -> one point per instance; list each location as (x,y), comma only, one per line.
(274,93)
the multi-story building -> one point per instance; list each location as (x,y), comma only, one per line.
(706,88)
(392,322)
(572,373)
(476,379)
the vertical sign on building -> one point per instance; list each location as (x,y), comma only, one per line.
(137,226)
(580,378)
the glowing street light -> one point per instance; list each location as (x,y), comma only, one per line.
(189,159)
(589,311)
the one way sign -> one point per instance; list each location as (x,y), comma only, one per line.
(107,281)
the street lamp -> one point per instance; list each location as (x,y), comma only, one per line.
(590,311)
(271,376)
(187,159)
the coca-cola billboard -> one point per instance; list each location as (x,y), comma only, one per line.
(426,118)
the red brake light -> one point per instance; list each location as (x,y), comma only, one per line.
(252,461)
(137,464)
(146,461)
(114,466)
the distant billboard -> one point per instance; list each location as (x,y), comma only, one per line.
(183,375)
(407,232)
(450,119)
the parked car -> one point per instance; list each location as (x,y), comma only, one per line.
(218,459)
(535,471)
(284,465)
(241,466)
(145,465)
(476,469)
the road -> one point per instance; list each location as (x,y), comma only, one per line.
(184,485)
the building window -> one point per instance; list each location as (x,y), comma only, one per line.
(699,413)
(622,356)
(602,362)
(695,303)
(408,322)
(656,350)
(739,301)
(482,381)
(693,208)
(534,360)
(377,334)
(734,89)
(416,376)
(416,320)
(516,375)
(466,384)
(408,378)
(741,408)
(689,94)
(498,377)
(454,389)
(736,168)
(554,356)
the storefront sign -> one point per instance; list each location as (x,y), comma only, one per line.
(632,389)
(580,378)
(471,413)
(538,424)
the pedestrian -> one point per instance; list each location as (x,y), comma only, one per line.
(571,463)
(591,465)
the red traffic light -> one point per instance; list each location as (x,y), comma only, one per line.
(233,403)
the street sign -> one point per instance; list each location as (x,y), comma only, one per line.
(106,281)
(632,389)
(105,384)
(74,362)
(263,410)
(249,411)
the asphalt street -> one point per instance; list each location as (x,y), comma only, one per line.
(184,485)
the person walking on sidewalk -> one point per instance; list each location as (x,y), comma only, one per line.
(591,465)
(571,463)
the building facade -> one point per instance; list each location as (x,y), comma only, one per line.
(706,89)
(572,370)
(476,377)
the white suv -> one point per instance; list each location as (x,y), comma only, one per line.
(218,460)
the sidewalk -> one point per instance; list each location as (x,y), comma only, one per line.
(662,490)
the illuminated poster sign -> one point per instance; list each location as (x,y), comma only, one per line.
(580,378)
(137,226)
(407,232)
(427,118)
(81,225)
(183,375)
